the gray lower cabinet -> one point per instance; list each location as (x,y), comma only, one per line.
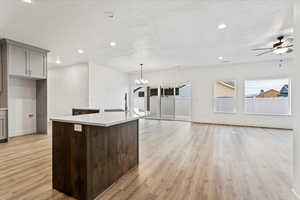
(27,61)
(3,126)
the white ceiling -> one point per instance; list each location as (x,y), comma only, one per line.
(159,33)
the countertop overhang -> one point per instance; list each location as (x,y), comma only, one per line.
(105,119)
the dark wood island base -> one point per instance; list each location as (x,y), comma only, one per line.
(88,159)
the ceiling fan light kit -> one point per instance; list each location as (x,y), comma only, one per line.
(279,48)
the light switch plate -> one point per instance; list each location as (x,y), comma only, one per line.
(78,127)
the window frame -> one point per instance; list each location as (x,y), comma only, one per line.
(235,99)
(268,114)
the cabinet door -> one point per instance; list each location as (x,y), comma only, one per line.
(3,126)
(37,64)
(1,73)
(17,61)
(69,160)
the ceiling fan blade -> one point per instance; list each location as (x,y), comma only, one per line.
(287,43)
(260,49)
(266,52)
(285,46)
(288,46)
(290,40)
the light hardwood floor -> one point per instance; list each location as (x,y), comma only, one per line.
(178,161)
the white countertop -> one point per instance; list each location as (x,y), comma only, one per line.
(105,119)
(3,109)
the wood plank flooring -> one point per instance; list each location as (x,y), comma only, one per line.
(178,161)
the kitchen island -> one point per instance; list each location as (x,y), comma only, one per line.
(91,152)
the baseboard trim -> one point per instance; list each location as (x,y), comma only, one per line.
(247,126)
(176,120)
(24,132)
(295,194)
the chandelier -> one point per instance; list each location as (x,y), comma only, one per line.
(141,81)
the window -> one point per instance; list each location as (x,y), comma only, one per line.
(154,92)
(169,91)
(177,91)
(138,100)
(224,96)
(271,97)
(142,94)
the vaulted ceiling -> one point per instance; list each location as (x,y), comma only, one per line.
(159,33)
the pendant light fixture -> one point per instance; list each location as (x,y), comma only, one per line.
(141,81)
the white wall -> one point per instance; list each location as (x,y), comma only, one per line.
(107,87)
(85,85)
(296,73)
(202,80)
(68,87)
(22,106)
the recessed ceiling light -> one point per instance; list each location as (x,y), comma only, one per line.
(222,26)
(80,51)
(109,14)
(27,1)
(58,61)
(113,44)
(220,58)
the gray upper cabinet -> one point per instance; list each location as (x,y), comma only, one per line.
(27,61)
(17,60)
(37,64)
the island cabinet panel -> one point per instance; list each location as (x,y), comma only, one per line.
(112,153)
(88,162)
(69,160)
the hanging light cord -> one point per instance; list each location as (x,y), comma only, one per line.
(141,71)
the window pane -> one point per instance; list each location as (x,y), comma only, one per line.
(139,99)
(224,96)
(267,97)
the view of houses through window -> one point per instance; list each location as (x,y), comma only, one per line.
(267,97)
(224,96)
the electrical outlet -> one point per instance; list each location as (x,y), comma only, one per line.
(78,127)
(31,115)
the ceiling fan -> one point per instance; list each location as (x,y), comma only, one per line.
(280,47)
